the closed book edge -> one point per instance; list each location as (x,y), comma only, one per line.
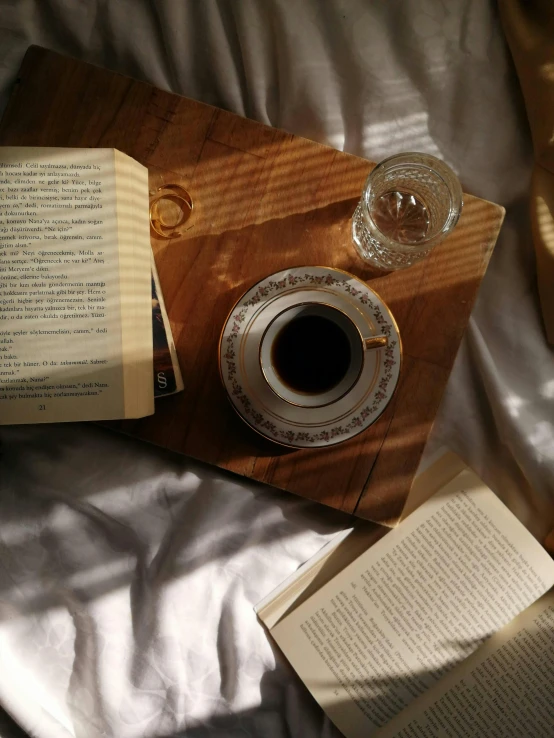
(168,379)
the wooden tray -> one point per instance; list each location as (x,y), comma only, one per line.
(264,200)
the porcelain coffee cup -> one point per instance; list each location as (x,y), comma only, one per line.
(312,354)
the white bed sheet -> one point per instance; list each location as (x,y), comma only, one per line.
(128,576)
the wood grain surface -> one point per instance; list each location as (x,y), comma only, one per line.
(264,200)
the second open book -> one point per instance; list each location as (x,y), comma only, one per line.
(431,630)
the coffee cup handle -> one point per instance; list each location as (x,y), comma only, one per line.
(375,342)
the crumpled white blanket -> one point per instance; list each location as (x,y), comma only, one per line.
(128,576)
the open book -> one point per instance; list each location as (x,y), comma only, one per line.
(443,626)
(75,286)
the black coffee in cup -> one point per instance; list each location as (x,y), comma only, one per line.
(311,354)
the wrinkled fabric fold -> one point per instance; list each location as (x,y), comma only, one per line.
(529,28)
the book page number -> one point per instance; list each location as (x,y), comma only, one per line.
(42,407)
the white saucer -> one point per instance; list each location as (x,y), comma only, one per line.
(251,396)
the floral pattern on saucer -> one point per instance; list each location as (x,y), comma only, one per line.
(311,277)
